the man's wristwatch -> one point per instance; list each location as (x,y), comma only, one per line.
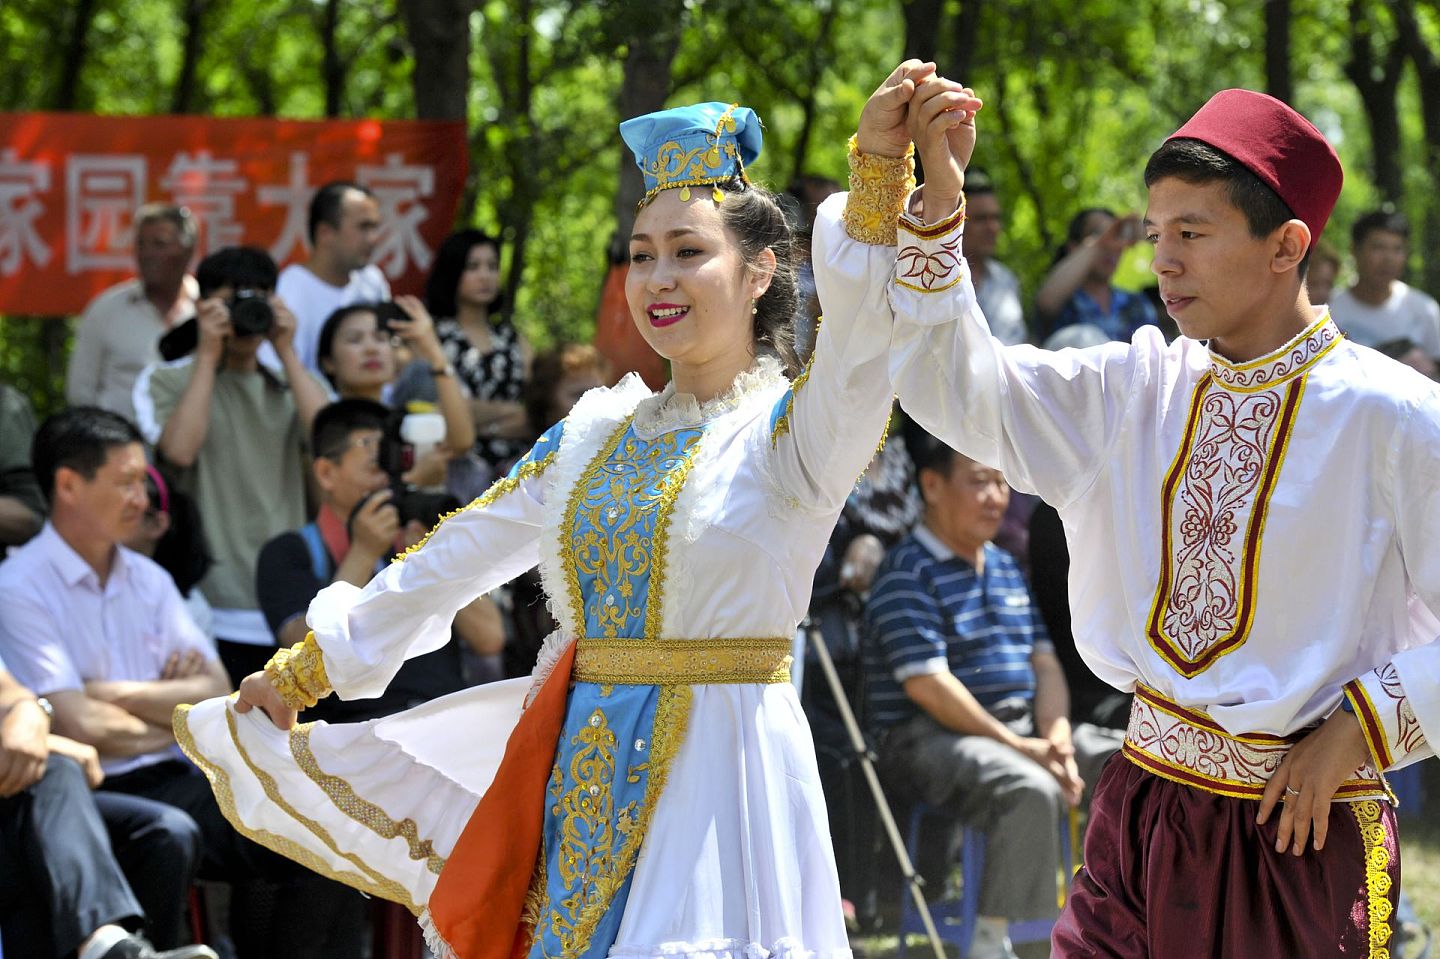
(44,704)
(447,370)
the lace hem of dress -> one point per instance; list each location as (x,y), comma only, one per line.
(668,410)
(727,949)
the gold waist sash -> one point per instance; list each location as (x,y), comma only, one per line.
(1187,746)
(664,662)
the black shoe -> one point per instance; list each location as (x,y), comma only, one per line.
(134,947)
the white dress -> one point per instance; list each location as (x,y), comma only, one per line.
(652,517)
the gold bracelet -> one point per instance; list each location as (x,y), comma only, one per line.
(879,187)
(298,674)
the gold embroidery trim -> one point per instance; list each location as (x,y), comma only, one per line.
(371,883)
(572,510)
(501,487)
(1377,877)
(672,717)
(659,662)
(782,423)
(343,795)
(664,511)
(879,187)
(298,674)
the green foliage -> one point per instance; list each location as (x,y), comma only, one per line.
(1077,96)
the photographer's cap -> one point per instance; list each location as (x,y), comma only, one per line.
(1278,145)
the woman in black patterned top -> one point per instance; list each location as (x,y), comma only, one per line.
(490,356)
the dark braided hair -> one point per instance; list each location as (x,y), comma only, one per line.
(753,214)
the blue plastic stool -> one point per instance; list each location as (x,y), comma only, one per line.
(955,918)
(1409,787)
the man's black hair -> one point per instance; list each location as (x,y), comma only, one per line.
(330,435)
(239,267)
(79,438)
(978,183)
(926,451)
(326,204)
(1388,221)
(1197,162)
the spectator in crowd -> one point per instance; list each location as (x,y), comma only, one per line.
(800,201)
(22,508)
(996,287)
(171,535)
(101,631)
(1380,308)
(120,330)
(357,354)
(558,378)
(1324,270)
(966,697)
(66,887)
(344,228)
(234,431)
(1078,290)
(356,532)
(489,353)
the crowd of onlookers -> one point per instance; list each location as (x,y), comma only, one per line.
(239,437)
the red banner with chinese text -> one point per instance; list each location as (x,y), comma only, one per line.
(70,184)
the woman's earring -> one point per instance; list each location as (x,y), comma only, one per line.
(753,308)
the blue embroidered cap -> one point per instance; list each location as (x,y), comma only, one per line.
(693,146)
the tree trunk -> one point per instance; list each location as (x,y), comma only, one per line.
(77,48)
(517,214)
(1427,69)
(1278,82)
(922,27)
(964,41)
(332,67)
(1376,79)
(814,72)
(439,32)
(644,85)
(184,99)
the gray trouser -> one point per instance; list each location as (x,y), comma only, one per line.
(989,786)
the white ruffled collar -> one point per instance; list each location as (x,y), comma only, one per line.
(669,410)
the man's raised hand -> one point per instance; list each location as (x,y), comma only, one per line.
(941,121)
(883,129)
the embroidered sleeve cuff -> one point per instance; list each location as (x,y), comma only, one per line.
(298,674)
(930,258)
(879,187)
(1386,717)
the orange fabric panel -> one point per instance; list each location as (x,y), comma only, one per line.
(70,184)
(619,341)
(480,896)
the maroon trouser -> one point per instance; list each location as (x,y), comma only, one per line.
(1174,872)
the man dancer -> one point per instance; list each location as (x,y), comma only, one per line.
(1258,504)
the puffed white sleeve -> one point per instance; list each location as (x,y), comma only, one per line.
(1398,703)
(366,634)
(1046,419)
(825,429)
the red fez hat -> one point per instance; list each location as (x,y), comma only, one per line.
(1278,145)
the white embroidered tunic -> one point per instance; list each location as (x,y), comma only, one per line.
(742,494)
(1246,539)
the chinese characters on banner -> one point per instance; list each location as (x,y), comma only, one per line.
(70,185)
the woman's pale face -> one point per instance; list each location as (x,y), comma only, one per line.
(362,355)
(480,280)
(688,289)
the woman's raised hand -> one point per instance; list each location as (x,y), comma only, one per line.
(940,118)
(256,690)
(883,130)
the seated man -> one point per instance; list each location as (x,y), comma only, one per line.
(21,508)
(356,532)
(966,697)
(62,890)
(103,633)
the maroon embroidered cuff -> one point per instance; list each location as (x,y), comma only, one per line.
(1386,717)
(930,259)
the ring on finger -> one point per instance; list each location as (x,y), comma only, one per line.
(1291,791)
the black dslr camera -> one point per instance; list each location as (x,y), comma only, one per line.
(397,455)
(251,313)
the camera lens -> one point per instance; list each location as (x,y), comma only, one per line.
(250,313)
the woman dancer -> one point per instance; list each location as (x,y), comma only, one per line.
(657,794)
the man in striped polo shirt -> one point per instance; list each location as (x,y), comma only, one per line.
(966,696)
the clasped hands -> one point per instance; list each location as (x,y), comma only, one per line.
(917,105)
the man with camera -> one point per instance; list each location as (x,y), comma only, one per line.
(365,517)
(232,431)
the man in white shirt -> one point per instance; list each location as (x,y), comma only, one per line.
(344,228)
(1381,310)
(1296,672)
(120,330)
(996,286)
(103,633)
